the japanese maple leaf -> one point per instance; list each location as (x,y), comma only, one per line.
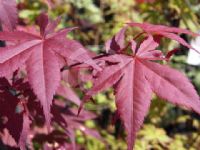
(8,13)
(135,77)
(41,55)
(169,32)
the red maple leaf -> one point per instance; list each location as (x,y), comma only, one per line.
(169,32)
(41,55)
(135,77)
(8,13)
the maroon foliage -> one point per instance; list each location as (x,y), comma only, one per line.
(51,68)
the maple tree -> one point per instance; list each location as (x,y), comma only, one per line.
(52,65)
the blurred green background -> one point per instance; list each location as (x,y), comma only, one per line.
(166,127)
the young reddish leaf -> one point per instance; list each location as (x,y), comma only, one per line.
(42,22)
(169,32)
(41,54)
(8,13)
(134,78)
(116,44)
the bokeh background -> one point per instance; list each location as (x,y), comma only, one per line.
(167,127)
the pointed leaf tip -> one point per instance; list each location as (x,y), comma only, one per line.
(42,21)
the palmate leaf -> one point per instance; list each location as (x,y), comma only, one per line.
(41,55)
(135,77)
(8,13)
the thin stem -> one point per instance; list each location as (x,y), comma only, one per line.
(79,63)
(137,36)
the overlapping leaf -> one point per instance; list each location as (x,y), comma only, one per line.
(15,125)
(65,118)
